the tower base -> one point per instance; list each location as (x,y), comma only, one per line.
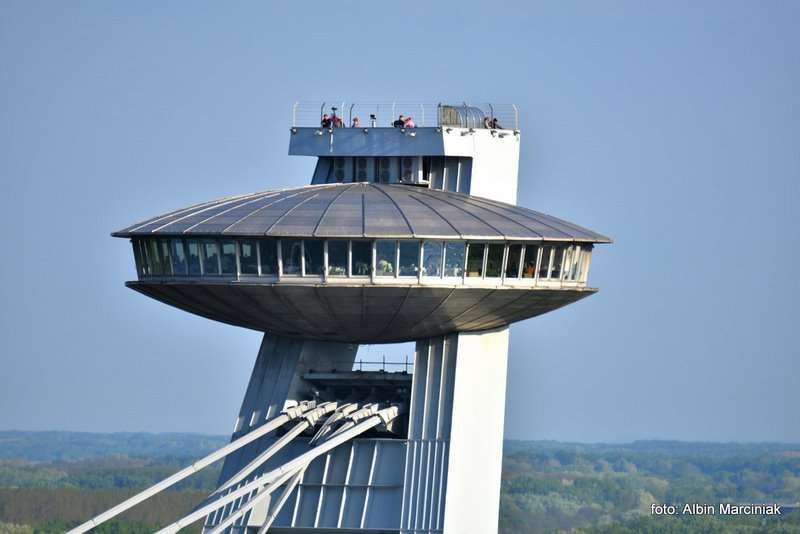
(437,474)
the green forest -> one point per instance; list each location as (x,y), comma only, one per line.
(50,481)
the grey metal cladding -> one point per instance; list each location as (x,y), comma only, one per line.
(356,210)
(152,223)
(188,220)
(344,216)
(306,214)
(423,220)
(219,222)
(547,223)
(261,221)
(382,217)
(505,223)
(464,222)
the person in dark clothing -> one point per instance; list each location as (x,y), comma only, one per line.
(400,122)
(326,121)
(496,125)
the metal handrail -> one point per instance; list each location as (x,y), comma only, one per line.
(463,115)
(358,365)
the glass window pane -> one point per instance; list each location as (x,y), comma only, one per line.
(210,257)
(465,180)
(268,249)
(454,259)
(178,257)
(362,257)
(529,267)
(248,260)
(337,258)
(494,260)
(544,266)
(569,263)
(384,257)
(475,259)
(451,173)
(409,258)
(138,257)
(432,258)
(437,172)
(558,257)
(154,257)
(193,255)
(512,262)
(586,253)
(165,256)
(313,250)
(228,256)
(290,250)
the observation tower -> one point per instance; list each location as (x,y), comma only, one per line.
(407,233)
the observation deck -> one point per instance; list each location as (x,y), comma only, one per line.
(361,262)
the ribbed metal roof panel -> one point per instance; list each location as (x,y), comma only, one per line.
(363,210)
(344,216)
(382,217)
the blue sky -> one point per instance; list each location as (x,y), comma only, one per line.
(672,127)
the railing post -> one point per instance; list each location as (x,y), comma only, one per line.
(516,116)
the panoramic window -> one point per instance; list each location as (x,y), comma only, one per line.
(248,258)
(409,258)
(494,260)
(475,260)
(228,257)
(141,268)
(313,254)
(544,266)
(290,255)
(337,258)
(451,173)
(454,259)
(512,263)
(178,257)
(269,257)
(210,251)
(529,265)
(558,258)
(153,257)
(432,258)
(361,257)
(569,263)
(166,264)
(436,175)
(465,180)
(193,256)
(384,257)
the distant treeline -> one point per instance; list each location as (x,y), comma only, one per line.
(73,446)
(114,472)
(547,487)
(58,510)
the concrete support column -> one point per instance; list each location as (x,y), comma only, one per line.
(455,441)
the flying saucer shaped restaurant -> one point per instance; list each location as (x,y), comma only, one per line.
(358,262)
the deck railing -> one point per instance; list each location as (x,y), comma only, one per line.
(424,114)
